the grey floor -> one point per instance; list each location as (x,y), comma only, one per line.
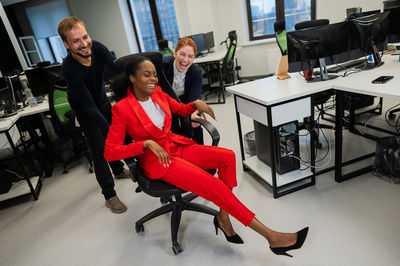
(356,222)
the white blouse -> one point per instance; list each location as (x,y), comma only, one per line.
(154,112)
(178,84)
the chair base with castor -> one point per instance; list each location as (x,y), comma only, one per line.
(171,196)
(176,205)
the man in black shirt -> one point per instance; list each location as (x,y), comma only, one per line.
(83,70)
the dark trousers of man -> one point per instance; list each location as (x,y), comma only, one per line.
(96,141)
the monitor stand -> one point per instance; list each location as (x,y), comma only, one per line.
(377,59)
(323,73)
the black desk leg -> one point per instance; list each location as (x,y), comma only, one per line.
(273,153)
(20,162)
(239,131)
(339,114)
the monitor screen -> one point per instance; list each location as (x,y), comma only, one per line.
(372,32)
(200,42)
(36,81)
(337,43)
(209,36)
(333,42)
(372,29)
(394,24)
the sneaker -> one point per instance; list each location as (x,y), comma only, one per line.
(124,174)
(115,205)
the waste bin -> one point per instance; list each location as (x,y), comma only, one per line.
(250,143)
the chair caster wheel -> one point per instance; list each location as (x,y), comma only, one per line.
(176,248)
(392,116)
(139,228)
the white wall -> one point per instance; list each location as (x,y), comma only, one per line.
(44,17)
(104,23)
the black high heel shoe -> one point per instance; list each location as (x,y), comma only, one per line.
(301,237)
(233,239)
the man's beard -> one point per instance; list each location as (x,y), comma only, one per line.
(82,55)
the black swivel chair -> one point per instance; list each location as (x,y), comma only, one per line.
(72,143)
(173,196)
(224,71)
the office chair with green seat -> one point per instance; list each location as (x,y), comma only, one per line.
(280,35)
(224,71)
(164,49)
(72,143)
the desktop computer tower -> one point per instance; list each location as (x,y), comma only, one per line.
(286,138)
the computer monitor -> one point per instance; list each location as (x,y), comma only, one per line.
(337,43)
(394,23)
(200,42)
(372,32)
(209,36)
(12,94)
(38,78)
(36,82)
(321,46)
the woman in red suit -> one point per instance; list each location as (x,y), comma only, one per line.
(145,115)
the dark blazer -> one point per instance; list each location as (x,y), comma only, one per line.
(193,80)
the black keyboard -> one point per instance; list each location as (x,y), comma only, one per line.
(347,65)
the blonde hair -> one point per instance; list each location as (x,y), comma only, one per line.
(66,24)
(186,42)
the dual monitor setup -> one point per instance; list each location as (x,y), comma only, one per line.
(12,95)
(204,42)
(360,35)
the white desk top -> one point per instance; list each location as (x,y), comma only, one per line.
(7,122)
(271,90)
(214,56)
(211,57)
(268,91)
(362,82)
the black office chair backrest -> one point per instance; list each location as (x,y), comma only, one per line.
(162,44)
(180,125)
(311,24)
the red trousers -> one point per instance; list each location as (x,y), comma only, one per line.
(186,172)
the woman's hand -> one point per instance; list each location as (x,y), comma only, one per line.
(203,108)
(161,154)
(195,115)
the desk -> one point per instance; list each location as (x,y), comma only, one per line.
(361,83)
(34,184)
(211,58)
(270,101)
(267,101)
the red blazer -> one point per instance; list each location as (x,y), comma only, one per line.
(129,117)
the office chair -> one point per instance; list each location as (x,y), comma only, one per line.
(224,71)
(319,99)
(163,48)
(280,35)
(72,143)
(175,201)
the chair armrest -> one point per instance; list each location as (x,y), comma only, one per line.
(133,165)
(210,129)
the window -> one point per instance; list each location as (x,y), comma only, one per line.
(262,14)
(154,20)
